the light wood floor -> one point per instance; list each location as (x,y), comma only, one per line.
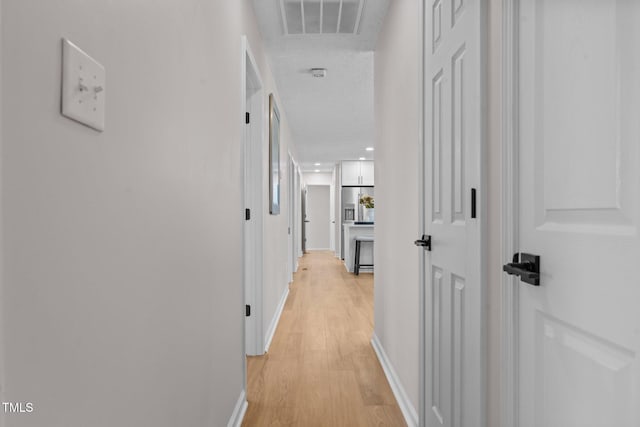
(321,369)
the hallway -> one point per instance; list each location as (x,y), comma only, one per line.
(321,369)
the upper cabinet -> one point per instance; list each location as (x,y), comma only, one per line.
(350,173)
(356,173)
(366,173)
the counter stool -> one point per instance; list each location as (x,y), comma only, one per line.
(356,262)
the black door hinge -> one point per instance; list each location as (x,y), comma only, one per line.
(247,118)
(247,310)
(247,214)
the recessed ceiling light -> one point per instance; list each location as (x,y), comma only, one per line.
(316,164)
(362,158)
(369,148)
(317,170)
(319,72)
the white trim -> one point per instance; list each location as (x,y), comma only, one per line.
(408,411)
(2,319)
(252,197)
(239,410)
(276,319)
(422,354)
(509,316)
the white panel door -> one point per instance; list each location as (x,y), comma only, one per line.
(318,217)
(454,394)
(366,173)
(351,173)
(579,191)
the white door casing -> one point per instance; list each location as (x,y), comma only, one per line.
(576,143)
(291,218)
(253,101)
(452,385)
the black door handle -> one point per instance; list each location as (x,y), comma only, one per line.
(526,266)
(306,220)
(425,242)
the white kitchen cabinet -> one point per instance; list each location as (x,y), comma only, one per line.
(366,173)
(357,173)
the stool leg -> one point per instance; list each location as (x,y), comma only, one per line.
(356,261)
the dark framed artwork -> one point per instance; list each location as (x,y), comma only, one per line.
(274,157)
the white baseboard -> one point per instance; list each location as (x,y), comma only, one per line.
(238,412)
(276,318)
(408,411)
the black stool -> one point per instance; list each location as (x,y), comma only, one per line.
(356,262)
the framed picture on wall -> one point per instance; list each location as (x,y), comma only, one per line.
(274,157)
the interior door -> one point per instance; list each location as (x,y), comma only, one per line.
(579,331)
(453,389)
(305,221)
(318,217)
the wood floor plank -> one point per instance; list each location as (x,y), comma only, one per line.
(321,369)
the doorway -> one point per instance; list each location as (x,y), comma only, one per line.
(291,230)
(253,102)
(318,221)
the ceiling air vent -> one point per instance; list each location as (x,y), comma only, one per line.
(321,16)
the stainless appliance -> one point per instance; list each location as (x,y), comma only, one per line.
(351,209)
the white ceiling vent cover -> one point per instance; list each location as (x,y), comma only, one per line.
(321,16)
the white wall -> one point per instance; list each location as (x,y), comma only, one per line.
(122,292)
(276,259)
(397,102)
(317,178)
(396,281)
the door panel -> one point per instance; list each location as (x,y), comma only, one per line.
(351,173)
(367,172)
(318,215)
(453,138)
(579,332)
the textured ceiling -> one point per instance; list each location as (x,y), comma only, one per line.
(331,118)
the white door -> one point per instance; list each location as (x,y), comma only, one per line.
(366,173)
(253,184)
(318,217)
(453,366)
(579,139)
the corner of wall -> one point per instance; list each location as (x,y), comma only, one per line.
(239,410)
(404,402)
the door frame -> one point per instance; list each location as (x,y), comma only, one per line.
(509,316)
(253,155)
(291,238)
(509,295)
(482,211)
